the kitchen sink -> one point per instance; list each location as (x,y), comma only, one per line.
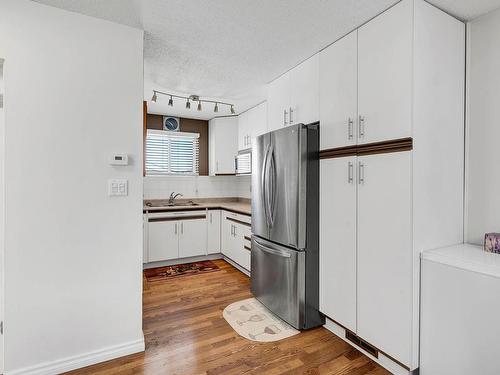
(164,203)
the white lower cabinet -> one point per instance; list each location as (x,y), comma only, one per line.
(385,253)
(235,242)
(213,232)
(174,235)
(366,254)
(163,239)
(193,237)
(338,240)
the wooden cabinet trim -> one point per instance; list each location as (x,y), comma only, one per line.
(247,248)
(384,147)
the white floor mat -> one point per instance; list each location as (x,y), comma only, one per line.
(255,322)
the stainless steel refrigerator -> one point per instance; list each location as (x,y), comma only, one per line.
(285,218)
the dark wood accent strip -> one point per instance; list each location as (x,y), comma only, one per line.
(177,218)
(393,145)
(225,174)
(239,221)
(236,211)
(338,152)
(247,238)
(396,145)
(247,248)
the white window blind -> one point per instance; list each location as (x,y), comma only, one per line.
(172,153)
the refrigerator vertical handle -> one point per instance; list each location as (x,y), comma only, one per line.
(264,180)
(272,184)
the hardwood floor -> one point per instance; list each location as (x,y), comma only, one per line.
(186,334)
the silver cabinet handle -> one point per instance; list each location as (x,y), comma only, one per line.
(232,227)
(175,228)
(361,173)
(210,218)
(234,230)
(182,228)
(361,126)
(350,123)
(284,117)
(291,112)
(349,173)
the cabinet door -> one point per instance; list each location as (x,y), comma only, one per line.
(243,130)
(225,144)
(214,230)
(240,254)
(385,75)
(163,240)
(278,102)
(259,120)
(304,92)
(337,249)
(338,93)
(385,256)
(227,237)
(192,238)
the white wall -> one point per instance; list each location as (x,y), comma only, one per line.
(156,187)
(484,128)
(74,89)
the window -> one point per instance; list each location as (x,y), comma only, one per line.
(170,153)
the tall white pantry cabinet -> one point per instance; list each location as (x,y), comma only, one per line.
(392,171)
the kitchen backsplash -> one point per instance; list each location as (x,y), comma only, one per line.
(156,187)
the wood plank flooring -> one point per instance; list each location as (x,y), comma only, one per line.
(186,334)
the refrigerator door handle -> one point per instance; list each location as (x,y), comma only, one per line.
(269,250)
(265,191)
(272,184)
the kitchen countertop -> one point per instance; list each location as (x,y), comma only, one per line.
(238,205)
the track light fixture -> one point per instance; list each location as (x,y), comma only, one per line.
(192,98)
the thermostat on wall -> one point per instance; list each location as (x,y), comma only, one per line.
(119,159)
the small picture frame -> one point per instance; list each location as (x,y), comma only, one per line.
(492,243)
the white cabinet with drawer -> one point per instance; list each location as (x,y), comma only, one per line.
(173,235)
(236,232)
(213,231)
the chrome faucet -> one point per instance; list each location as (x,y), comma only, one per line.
(172,197)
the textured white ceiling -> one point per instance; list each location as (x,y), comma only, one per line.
(229,49)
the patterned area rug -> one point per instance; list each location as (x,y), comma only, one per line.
(164,273)
(252,320)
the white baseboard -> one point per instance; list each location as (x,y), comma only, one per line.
(236,265)
(82,360)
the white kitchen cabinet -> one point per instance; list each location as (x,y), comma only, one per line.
(235,227)
(304,92)
(293,97)
(192,237)
(338,93)
(244,131)
(385,52)
(163,239)
(251,124)
(173,235)
(338,240)
(223,145)
(278,102)
(407,201)
(385,253)
(213,232)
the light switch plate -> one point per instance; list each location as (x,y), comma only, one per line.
(117,187)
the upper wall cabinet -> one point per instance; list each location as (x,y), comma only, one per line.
(338,92)
(223,145)
(293,98)
(366,82)
(251,124)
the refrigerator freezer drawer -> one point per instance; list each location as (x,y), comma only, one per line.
(278,280)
